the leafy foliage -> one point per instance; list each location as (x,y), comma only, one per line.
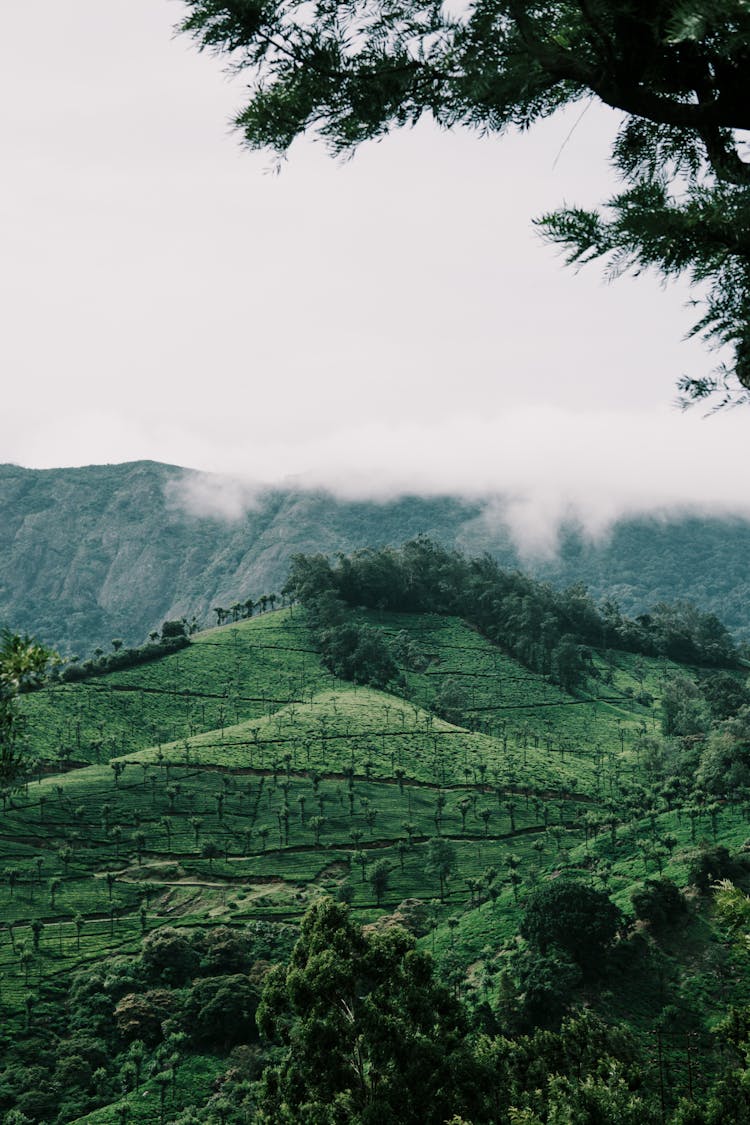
(660,903)
(146,897)
(543,628)
(359,653)
(370,1036)
(354,71)
(23,664)
(575,918)
(126,556)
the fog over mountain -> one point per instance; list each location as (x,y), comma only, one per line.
(106,551)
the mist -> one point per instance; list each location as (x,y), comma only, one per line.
(387,326)
(534,470)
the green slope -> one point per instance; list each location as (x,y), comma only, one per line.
(302,784)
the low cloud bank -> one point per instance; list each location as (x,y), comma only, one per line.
(211,496)
(534,469)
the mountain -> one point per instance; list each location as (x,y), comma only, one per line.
(87,554)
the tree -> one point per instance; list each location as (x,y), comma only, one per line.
(359,653)
(734,909)
(210,851)
(567,664)
(175,628)
(725,694)
(316,824)
(54,887)
(441,859)
(724,766)
(547,984)
(379,877)
(575,918)
(169,957)
(684,711)
(659,902)
(23,664)
(674,69)
(369,1035)
(222,1010)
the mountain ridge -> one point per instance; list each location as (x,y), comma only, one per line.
(93,552)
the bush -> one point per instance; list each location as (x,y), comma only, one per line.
(572,917)
(660,903)
(709,863)
(547,984)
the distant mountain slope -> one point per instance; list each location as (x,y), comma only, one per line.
(102,551)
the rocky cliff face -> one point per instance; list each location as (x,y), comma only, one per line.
(113,550)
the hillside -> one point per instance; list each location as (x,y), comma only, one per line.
(109,551)
(233,783)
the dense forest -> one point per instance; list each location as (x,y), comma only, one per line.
(544,628)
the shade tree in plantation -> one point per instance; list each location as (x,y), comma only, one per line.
(441,861)
(379,878)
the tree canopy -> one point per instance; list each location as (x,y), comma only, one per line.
(575,918)
(541,627)
(23,663)
(370,1035)
(675,69)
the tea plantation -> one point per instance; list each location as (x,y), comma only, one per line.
(213,795)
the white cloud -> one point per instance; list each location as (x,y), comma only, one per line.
(393,324)
(210,495)
(534,467)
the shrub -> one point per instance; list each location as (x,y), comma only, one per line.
(575,918)
(660,903)
(709,863)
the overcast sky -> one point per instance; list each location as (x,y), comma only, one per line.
(388,323)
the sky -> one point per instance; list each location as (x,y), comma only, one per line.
(386,324)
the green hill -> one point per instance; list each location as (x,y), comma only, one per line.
(219,791)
